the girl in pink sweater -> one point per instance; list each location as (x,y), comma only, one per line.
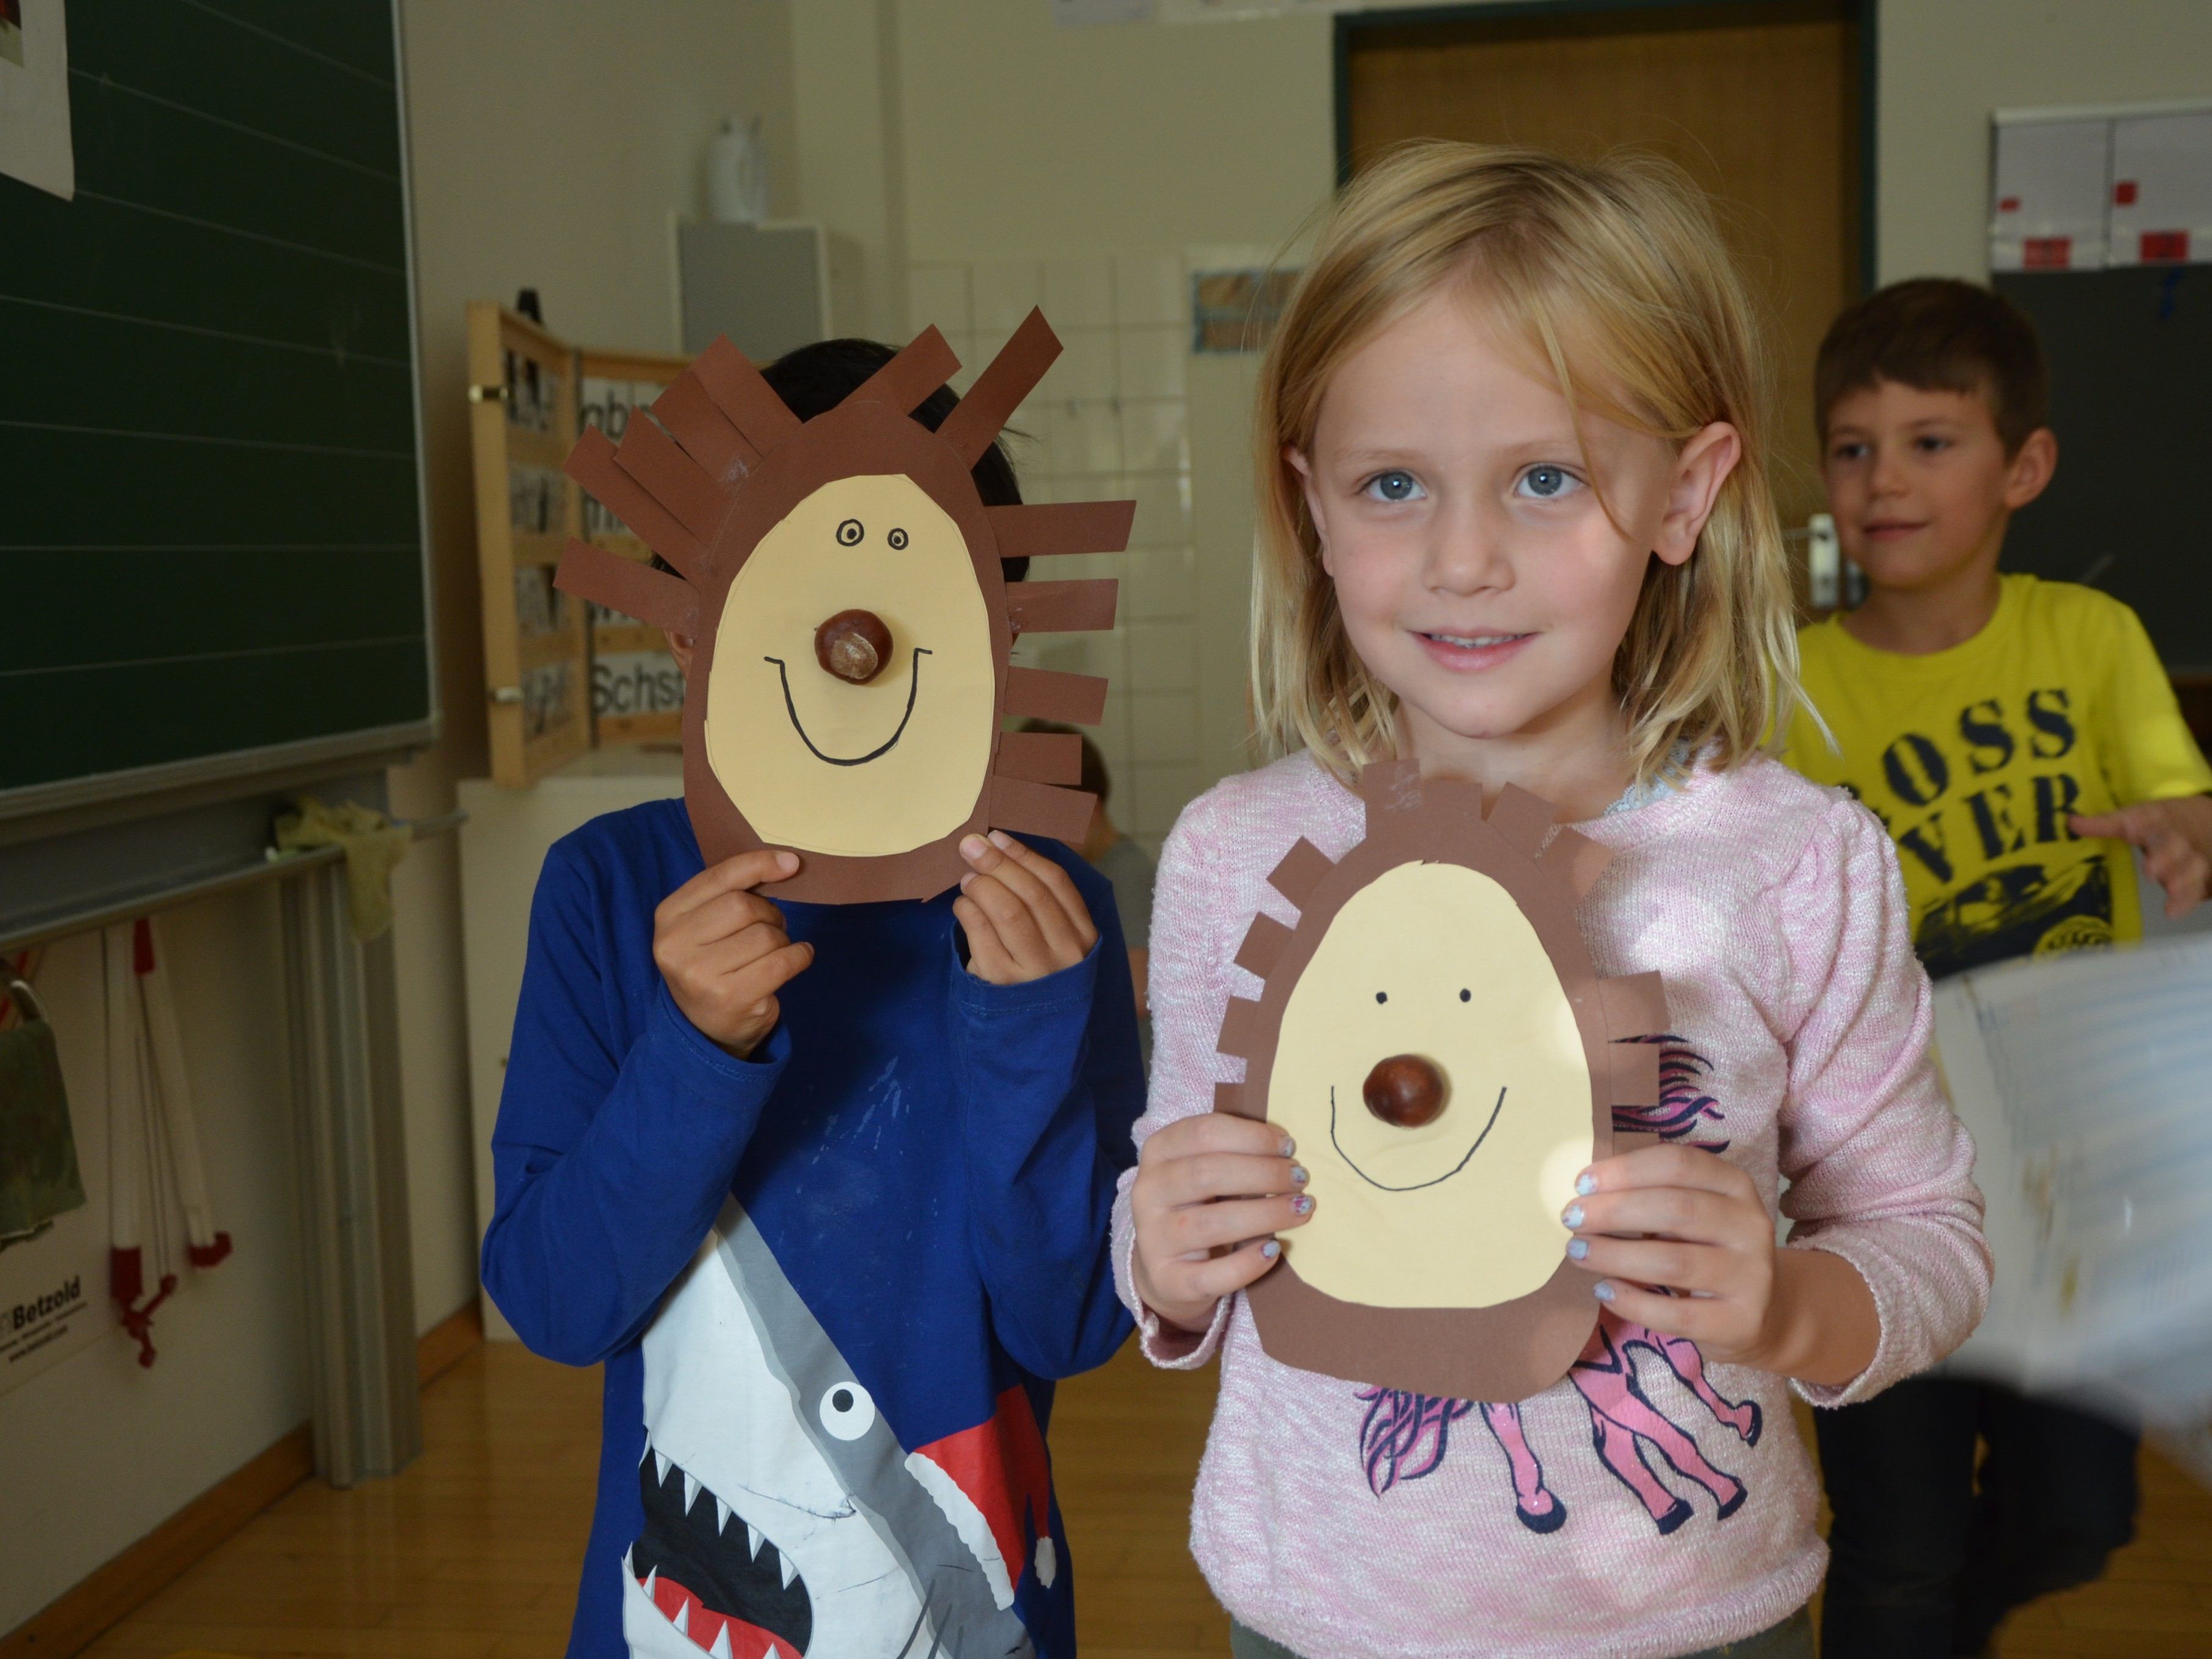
(1516,526)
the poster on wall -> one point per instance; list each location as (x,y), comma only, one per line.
(2162,190)
(34,106)
(2094,188)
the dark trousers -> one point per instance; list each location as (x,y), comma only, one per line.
(1925,1566)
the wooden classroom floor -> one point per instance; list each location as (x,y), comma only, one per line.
(474,1550)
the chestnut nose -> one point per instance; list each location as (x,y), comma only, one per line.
(853,644)
(1406,1090)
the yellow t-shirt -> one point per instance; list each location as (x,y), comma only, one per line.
(1974,758)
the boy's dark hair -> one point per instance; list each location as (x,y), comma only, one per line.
(1094,780)
(813,379)
(1938,334)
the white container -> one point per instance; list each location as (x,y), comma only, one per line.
(737,175)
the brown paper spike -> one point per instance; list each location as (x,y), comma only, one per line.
(1522,818)
(704,431)
(1583,860)
(1264,943)
(1000,389)
(1632,1073)
(676,481)
(1635,1005)
(1300,872)
(926,363)
(1241,1030)
(1062,607)
(1229,1098)
(635,590)
(592,463)
(1039,809)
(1041,757)
(739,392)
(1044,530)
(1386,785)
(1046,693)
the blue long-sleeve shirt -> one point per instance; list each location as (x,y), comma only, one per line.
(830,1284)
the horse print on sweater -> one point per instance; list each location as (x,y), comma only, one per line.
(1405,1436)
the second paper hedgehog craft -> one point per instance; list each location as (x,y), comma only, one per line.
(840,579)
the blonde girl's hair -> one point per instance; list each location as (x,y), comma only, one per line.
(1614,274)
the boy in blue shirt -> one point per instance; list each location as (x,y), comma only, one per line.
(826,1189)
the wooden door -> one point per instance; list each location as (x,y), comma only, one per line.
(1759,104)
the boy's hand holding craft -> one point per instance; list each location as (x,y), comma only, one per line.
(1680,1218)
(1023,918)
(723,951)
(1211,1191)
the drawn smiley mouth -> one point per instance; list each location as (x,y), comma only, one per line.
(912,688)
(1412,1186)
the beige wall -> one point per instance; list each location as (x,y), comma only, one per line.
(1946,65)
(550,146)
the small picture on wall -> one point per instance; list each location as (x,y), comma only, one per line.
(34,96)
(1234,311)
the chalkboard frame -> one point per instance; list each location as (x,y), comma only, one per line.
(29,810)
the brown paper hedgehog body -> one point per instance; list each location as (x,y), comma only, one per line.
(841,580)
(1435,1038)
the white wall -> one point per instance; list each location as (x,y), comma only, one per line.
(550,144)
(97,1451)
(1946,65)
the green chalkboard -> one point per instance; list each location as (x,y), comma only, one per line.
(211,523)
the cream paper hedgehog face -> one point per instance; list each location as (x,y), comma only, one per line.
(841,580)
(1435,1038)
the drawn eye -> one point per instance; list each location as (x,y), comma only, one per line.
(1466,996)
(897,539)
(848,1412)
(849,533)
(1381,996)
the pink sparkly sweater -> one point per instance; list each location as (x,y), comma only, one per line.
(1650,1505)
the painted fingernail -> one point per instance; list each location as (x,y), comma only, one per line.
(1573,1218)
(1585,1184)
(1271,1249)
(1604,1291)
(1578,1249)
(1289,1145)
(971,847)
(1303,1204)
(1298,1175)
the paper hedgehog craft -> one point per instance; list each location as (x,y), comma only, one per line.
(1434,1035)
(840,579)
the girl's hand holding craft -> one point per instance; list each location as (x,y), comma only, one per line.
(1680,1241)
(1022,914)
(1211,1193)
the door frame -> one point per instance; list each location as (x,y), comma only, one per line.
(1862,15)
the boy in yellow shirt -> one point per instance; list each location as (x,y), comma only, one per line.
(2016,736)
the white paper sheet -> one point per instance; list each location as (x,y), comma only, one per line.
(2085,1081)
